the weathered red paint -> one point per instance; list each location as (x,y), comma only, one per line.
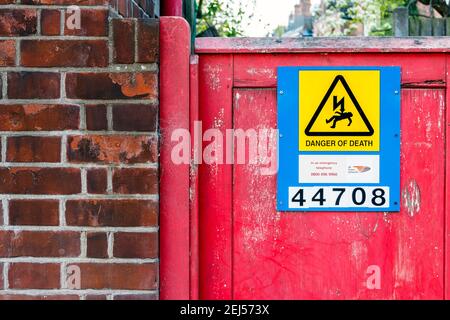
(215,181)
(193,194)
(447,185)
(174,179)
(418,70)
(247,249)
(322,45)
(326,255)
(250,251)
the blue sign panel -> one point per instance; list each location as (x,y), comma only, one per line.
(339,143)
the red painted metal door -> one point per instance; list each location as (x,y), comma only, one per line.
(248,250)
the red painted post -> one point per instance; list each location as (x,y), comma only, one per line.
(215,181)
(172,8)
(174,178)
(195,146)
(447,185)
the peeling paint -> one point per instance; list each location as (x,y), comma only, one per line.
(441,111)
(214,73)
(358,251)
(411,197)
(236,101)
(268,72)
(365,227)
(219,121)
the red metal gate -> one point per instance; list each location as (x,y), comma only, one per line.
(248,250)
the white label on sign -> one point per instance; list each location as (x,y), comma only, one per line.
(339,169)
(338,197)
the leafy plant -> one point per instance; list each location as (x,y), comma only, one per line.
(225,16)
(344,17)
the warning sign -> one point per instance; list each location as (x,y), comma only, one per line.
(339,110)
(339,138)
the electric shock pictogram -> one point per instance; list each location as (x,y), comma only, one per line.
(339,110)
(340,113)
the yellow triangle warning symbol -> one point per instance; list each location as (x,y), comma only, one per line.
(339,113)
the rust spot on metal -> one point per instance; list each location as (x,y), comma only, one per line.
(411,197)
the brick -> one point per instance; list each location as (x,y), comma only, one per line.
(40,180)
(119,276)
(110,86)
(96,297)
(97,245)
(34,212)
(112,213)
(34,149)
(96,181)
(67,2)
(1,276)
(64,53)
(7,1)
(34,276)
(123,31)
(7,53)
(136,297)
(135,245)
(38,297)
(148,40)
(93,23)
(17,22)
(96,117)
(111,149)
(135,117)
(33,85)
(39,244)
(135,181)
(37,117)
(50,22)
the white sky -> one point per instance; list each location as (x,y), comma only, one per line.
(269,14)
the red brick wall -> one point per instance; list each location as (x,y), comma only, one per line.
(79,152)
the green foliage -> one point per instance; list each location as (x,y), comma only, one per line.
(227,16)
(279,31)
(345,17)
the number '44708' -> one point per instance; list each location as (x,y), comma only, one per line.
(339,197)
